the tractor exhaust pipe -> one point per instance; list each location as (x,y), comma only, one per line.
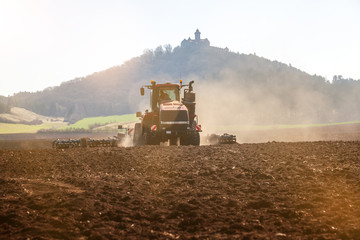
(190,86)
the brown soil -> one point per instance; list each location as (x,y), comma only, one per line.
(274,190)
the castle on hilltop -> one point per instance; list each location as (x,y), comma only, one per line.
(197,42)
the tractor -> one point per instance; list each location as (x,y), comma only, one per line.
(170,119)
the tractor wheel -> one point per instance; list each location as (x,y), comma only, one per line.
(194,137)
(151,139)
(173,141)
(138,137)
(185,140)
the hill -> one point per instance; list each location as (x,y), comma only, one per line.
(232,88)
(23,116)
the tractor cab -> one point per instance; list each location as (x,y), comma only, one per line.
(162,93)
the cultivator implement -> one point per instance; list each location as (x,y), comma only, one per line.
(227,139)
(71,143)
(221,139)
(84,142)
(88,142)
(102,143)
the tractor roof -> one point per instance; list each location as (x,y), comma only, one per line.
(168,85)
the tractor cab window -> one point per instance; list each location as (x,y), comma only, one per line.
(168,95)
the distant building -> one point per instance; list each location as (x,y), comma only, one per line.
(197,42)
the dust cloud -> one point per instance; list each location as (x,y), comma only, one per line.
(235,106)
(127,141)
(126,135)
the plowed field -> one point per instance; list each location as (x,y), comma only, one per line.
(274,190)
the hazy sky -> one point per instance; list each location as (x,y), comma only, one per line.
(46,42)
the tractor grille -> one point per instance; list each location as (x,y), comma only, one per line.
(174,117)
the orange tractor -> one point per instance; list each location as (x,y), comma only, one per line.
(170,118)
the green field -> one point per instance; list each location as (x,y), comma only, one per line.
(11,128)
(87,122)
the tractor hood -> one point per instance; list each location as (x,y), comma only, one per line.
(172,106)
(173,112)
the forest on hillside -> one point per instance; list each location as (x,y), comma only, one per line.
(231,88)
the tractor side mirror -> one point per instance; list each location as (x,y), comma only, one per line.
(142,91)
(138,114)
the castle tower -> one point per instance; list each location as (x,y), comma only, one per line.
(197,42)
(197,35)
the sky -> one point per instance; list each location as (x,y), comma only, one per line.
(46,42)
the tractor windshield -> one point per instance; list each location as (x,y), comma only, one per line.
(168,94)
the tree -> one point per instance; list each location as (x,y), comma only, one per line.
(4,108)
